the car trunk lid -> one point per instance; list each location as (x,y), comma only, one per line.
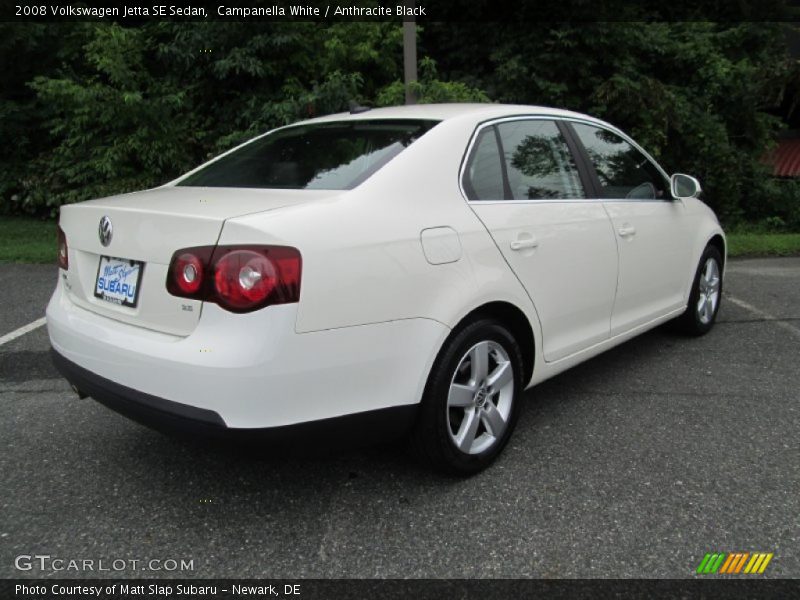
(147,228)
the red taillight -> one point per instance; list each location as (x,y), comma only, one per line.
(243,278)
(238,278)
(63,251)
(188,273)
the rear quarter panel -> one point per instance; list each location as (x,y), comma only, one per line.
(362,256)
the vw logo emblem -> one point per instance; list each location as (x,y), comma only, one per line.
(480,397)
(105,231)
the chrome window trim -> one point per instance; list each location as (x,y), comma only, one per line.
(563,200)
(569,119)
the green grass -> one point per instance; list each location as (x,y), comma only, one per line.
(763,244)
(24,240)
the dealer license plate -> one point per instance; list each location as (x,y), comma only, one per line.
(118,280)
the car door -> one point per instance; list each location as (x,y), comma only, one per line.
(522,181)
(652,230)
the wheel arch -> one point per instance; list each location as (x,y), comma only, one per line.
(719,243)
(709,235)
(517,323)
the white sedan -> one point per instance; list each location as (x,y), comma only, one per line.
(399,271)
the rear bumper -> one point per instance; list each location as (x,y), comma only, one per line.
(147,409)
(173,417)
(249,371)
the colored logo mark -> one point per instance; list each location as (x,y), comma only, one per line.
(731,563)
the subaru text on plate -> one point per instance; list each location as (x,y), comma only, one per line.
(404,271)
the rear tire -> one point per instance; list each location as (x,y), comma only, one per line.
(706,295)
(471,400)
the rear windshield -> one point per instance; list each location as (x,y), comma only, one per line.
(320,156)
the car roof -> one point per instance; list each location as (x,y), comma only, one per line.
(443,112)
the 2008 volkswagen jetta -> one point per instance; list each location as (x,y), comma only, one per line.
(409,270)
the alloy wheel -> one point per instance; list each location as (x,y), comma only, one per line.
(480,398)
(709,285)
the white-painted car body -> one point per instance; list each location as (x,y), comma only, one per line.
(389,269)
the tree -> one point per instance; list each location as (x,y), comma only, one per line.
(697,95)
(99,108)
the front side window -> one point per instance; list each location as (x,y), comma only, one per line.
(323,156)
(623,171)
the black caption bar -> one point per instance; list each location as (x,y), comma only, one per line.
(390,589)
(487,11)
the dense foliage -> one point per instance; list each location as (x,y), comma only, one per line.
(90,109)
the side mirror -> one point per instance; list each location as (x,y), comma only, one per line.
(685,186)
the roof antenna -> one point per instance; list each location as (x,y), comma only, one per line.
(356,108)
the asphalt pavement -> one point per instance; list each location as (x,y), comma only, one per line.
(634,464)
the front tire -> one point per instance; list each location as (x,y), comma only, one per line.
(706,295)
(471,400)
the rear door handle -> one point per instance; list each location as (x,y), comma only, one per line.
(523,244)
(626,231)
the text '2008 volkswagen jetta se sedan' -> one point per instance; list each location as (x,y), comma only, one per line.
(409,270)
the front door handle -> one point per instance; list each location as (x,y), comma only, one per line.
(523,244)
(627,231)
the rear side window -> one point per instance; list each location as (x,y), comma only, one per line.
(484,176)
(623,171)
(538,161)
(323,156)
(535,163)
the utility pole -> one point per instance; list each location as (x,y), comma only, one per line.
(410,54)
